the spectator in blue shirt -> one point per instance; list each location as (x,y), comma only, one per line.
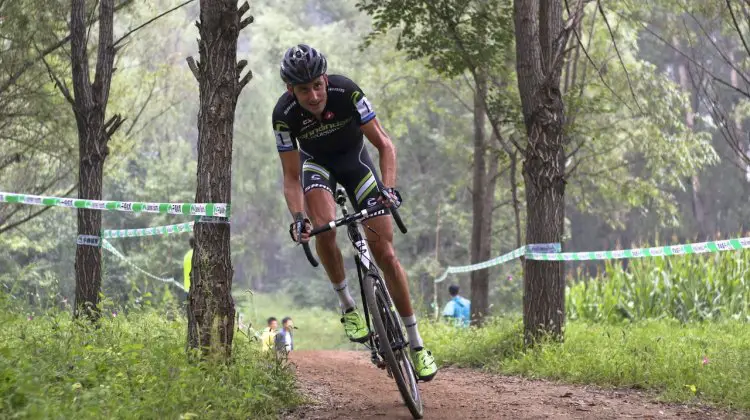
(458,308)
(283,340)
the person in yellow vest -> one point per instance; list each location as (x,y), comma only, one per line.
(269,334)
(187,265)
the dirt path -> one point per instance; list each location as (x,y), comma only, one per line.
(345,385)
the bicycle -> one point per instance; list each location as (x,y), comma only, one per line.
(388,345)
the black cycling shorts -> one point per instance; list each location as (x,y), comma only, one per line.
(353,170)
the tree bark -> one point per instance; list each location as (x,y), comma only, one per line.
(513,174)
(211,310)
(483,192)
(89,106)
(539,47)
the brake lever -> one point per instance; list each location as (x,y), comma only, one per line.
(299,226)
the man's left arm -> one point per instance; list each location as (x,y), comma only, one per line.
(386,150)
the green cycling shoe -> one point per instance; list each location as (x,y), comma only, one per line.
(355,327)
(424,364)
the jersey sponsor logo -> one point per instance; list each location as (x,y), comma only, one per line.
(324,129)
(289,108)
(316,185)
(315,177)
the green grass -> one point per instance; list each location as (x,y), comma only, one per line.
(664,356)
(133,366)
(317,328)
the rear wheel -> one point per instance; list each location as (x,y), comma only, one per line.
(391,343)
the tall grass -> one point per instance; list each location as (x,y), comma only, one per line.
(699,287)
(131,366)
(705,362)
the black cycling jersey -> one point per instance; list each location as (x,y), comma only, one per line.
(331,150)
(346,109)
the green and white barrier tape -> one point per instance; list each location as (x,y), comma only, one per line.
(149,231)
(486,264)
(194,209)
(108,246)
(658,251)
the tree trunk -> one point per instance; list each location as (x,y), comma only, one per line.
(90,106)
(435,301)
(482,202)
(696,199)
(513,174)
(211,307)
(743,155)
(539,42)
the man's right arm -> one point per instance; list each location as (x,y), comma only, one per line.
(292,187)
(286,145)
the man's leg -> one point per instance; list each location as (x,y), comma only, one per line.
(322,209)
(380,241)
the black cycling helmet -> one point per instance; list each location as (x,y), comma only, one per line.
(301,64)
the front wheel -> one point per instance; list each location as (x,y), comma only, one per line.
(391,343)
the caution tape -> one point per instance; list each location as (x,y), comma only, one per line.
(657,251)
(149,231)
(486,264)
(108,246)
(189,209)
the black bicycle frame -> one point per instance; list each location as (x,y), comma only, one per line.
(363,259)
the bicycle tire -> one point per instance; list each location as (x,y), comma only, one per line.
(378,306)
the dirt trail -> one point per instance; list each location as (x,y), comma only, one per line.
(345,385)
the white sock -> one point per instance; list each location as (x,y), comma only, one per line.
(345,299)
(415,340)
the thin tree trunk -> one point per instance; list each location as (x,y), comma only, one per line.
(435,301)
(479,234)
(211,310)
(743,155)
(539,48)
(90,106)
(696,200)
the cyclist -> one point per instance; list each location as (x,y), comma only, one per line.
(319,123)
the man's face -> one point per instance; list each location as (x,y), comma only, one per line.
(289,324)
(312,96)
(273,325)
